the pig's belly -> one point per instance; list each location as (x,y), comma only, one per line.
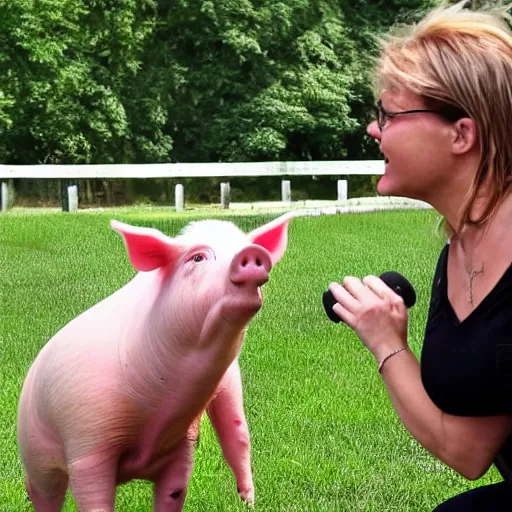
(145,464)
(131,468)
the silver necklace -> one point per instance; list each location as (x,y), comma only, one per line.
(471,275)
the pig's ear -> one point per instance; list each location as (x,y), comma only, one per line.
(148,248)
(273,236)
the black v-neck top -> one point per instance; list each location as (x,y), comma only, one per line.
(466,367)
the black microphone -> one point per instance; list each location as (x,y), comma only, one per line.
(397,282)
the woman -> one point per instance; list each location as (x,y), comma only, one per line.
(444,126)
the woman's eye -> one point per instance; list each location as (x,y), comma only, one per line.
(198,258)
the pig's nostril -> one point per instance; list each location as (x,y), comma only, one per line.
(258,262)
(244,262)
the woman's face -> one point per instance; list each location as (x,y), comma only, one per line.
(417,147)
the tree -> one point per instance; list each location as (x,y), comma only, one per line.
(68,63)
(266,80)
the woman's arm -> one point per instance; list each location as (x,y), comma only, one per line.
(466,444)
(379,317)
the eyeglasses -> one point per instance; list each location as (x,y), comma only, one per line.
(382,115)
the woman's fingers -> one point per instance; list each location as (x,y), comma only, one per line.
(350,297)
(354,297)
(344,314)
(356,288)
(343,297)
(381,289)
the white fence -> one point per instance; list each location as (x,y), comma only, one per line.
(198,170)
(201,170)
(189,170)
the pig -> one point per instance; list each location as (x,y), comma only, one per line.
(118,393)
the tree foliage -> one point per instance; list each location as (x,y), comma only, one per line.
(68,63)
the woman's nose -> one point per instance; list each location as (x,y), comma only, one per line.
(373,130)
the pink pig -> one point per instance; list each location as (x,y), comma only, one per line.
(118,393)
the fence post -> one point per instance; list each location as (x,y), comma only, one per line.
(342,190)
(64,198)
(286,191)
(72,198)
(5,196)
(68,191)
(225,194)
(179,197)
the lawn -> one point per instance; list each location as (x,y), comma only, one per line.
(324,434)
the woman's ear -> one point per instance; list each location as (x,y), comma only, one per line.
(465,136)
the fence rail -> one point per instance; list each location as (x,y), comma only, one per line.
(194,170)
(70,173)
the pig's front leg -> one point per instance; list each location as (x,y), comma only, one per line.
(226,412)
(172,482)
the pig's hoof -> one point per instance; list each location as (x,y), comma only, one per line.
(247,496)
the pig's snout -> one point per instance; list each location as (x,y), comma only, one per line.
(251,265)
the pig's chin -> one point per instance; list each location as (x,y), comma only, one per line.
(238,308)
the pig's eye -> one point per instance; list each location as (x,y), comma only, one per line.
(199,255)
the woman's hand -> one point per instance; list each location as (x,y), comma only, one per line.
(374,311)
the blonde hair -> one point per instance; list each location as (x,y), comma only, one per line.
(460,59)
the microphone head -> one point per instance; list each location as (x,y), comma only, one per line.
(397,282)
(401,286)
(328,301)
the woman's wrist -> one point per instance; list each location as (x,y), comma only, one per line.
(387,357)
(384,349)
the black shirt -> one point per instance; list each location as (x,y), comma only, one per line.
(466,367)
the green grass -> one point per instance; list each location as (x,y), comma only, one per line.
(324,434)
